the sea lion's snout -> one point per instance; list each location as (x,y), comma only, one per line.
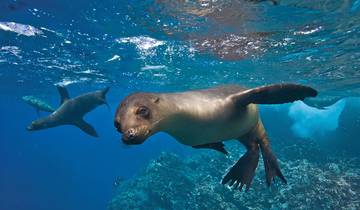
(134,136)
(37,125)
(30,128)
(33,126)
(130,134)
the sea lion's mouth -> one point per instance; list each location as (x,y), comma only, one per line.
(131,142)
(135,135)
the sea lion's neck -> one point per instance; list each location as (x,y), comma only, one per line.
(171,108)
(177,110)
(48,122)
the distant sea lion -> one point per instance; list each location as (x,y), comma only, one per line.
(72,111)
(38,104)
(206,118)
(20,29)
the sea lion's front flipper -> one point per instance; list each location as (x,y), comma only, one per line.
(219,146)
(242,173)
(64,95)
(273,94)
(86,127)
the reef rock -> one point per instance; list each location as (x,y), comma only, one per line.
(193,182)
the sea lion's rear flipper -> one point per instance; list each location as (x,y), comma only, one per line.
(272,168)
(273,94)
(86,127)
(64,95)
(271,165)
(219,146)
(242,173)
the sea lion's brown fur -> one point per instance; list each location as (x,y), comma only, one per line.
(206,118)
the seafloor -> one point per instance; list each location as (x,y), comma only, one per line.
(316,180)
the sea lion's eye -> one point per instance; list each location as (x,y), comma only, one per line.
(143,111)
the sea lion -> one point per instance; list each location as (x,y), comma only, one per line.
(20,29)
(72,111)
(38,104)
(205,118)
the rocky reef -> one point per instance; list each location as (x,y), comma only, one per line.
(315,181)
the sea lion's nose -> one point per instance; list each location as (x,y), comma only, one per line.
(130,137)
(130,134)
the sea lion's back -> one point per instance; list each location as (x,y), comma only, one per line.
(220,91)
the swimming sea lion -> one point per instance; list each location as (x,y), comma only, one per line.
(206,118)
(72,111)
(38,104)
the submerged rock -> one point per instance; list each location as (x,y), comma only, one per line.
(173,182)
(38,104)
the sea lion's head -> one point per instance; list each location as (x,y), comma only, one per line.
(37,125)
(137,117)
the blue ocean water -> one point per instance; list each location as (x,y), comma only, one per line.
(169,45)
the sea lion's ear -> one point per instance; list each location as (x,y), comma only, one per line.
(156,100)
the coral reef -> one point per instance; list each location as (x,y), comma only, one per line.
(315,181)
